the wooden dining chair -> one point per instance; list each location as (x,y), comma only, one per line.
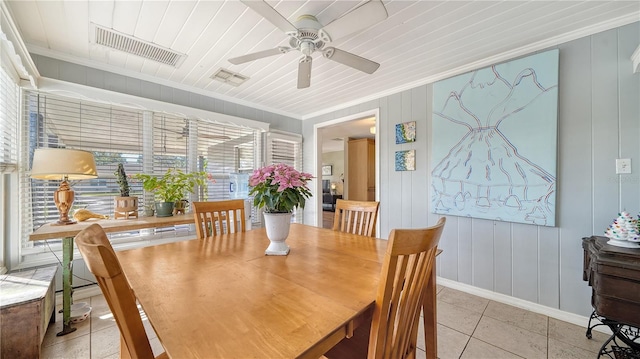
(406,271)
(212,218)
(356,217)
(100,258)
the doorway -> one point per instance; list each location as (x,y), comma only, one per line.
(331,150)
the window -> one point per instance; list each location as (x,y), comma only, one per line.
(9,100)
(143,141)
(282,147)
(8,123)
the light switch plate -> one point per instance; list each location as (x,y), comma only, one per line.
(623,165)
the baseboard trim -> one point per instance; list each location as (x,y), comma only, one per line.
(572,318)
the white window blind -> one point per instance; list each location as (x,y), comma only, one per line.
(9,119)
(225,150)
(143,141)
(283,147)
(8,122)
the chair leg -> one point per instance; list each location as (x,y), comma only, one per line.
(124,352)
(430,318)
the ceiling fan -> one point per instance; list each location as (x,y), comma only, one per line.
(309,36)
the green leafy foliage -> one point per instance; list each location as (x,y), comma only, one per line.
(174,185)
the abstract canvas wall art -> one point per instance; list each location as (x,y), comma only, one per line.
(406,132)
(406,160)
(494,145)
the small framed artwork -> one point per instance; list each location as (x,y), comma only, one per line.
(406,160)
(327,170)
(406,132)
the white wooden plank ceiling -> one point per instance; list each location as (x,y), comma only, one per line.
(419,42)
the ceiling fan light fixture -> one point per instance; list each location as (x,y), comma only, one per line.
(307,48)
(308,22)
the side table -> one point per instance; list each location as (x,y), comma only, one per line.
(67,233)
(614,276)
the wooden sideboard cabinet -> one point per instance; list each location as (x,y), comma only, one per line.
(614,276)
(361,177)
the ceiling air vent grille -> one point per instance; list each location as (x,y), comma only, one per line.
(129,44)
(229,77)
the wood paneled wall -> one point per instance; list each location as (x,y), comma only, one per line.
(599,121)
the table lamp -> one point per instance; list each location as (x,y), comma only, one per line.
(63,164)
(333,187)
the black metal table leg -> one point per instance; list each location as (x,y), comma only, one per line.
(624,343)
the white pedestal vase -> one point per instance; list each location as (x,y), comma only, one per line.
(277,225)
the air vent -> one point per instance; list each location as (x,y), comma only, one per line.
(229,77)
(134,46)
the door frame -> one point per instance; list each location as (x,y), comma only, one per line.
(317,155)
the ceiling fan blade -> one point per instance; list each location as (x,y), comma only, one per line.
(304,72)
(259,55)
(360,18)
(351,60)
(269,13)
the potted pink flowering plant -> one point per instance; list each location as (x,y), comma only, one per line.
(279,189)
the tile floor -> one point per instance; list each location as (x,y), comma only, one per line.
(468,327)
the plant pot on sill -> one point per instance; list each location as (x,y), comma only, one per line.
(180,207)
(125,207)
(164,209)
(149,210)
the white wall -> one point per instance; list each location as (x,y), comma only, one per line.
(599,116)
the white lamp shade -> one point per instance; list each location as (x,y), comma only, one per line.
(58,163)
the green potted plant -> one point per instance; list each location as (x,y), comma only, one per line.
(124,206)
(173,186)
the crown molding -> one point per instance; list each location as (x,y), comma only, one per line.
(14,48)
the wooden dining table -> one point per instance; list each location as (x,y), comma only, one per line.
(222,297)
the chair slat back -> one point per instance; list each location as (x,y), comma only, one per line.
(407,267)
(356,217)
(102,261)
(219,217)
